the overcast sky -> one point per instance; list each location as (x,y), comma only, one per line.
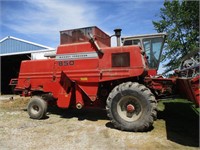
(41,20)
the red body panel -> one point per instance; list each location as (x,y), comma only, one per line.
(189,88)
(152,72)
(35,73)
(79,67)
(87,70)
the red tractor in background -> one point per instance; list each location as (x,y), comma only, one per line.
(86,72)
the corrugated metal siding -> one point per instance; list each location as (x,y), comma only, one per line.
(14,46)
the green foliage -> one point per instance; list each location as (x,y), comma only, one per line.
(180,19)
(190,105)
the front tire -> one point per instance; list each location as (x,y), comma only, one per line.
(132,107)
(37,108)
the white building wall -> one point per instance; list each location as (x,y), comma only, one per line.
(40,55)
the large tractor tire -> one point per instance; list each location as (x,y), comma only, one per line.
(37,108)
(132,107)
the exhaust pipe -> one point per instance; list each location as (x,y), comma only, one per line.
(118,34)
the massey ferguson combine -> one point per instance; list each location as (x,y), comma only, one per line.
(86,72)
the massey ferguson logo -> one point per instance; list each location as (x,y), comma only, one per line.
(85,55)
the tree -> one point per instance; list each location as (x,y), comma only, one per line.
(180,20)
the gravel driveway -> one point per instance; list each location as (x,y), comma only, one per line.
(86,129)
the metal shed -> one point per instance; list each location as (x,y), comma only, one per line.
(14,50)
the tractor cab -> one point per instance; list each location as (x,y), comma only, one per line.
(151,44)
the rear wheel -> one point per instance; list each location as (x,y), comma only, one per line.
(131,106)
(37,108)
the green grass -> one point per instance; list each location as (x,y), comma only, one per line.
(161,104)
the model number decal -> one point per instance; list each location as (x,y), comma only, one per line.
(65,63)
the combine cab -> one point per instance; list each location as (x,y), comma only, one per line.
(152,45)
(86,73)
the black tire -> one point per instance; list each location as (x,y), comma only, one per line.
(13,89)
(37,108)
(132,107)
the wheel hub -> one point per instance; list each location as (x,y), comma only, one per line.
(130,108)
(35,108)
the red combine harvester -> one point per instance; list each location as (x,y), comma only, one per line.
(86,72)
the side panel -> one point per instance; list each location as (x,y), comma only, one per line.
(39,76)
(80,64)
(110,68)
(75,73)
(35,73)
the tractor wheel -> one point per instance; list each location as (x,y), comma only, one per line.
(37,108)
(131,107)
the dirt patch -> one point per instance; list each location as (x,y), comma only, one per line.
(91,129)
(14,103)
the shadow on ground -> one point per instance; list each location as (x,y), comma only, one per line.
(83,114)
(86,114)
(182,123)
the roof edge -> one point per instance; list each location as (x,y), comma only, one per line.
(27,52)
(18,39)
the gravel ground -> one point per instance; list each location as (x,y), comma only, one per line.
(89,130)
